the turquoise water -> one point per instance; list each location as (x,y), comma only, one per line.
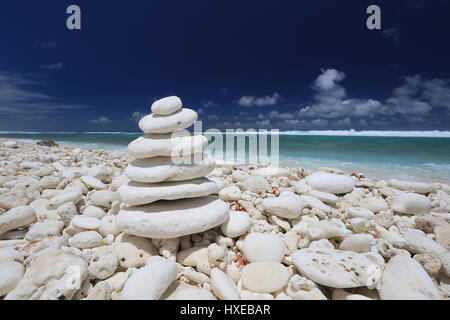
(418,158)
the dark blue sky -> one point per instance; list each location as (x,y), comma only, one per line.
(289,65)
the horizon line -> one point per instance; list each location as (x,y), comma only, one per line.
(351,132)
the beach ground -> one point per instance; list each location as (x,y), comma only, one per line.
(308,235)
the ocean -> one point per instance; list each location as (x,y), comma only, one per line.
(419,156)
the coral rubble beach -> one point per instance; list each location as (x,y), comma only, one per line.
(74,226)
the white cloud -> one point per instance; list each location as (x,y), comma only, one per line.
(213,117)
(250,101)
(344,122)
(295,122)
(406,98)
(437,92)
(331,99)
(413,100)
(18,99)
(101,120)
(55,66)
(210,104)
(320,122)
(265,122)
(277,115)
(362,122)
(328,79)
(381,122)
(137,115)
(416,97)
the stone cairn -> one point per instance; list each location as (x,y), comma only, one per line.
(168,195)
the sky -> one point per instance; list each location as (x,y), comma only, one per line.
(287,65)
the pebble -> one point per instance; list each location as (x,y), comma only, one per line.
(103,198)
(411,203)
(357,243)
(337,268)
(239,223)
(93,183)
(69,195)
(137,193)
(158,169)
(11,272)
(166,106)
(17,217)
(86,239)
(179,143)
(404,279)
(263,247)
(288,206)
(356,212)
(417,187)
(264,277)
(108,226)
(193,256)
(232,193)
(166,220)
(10,254)
(222,286)
(193,294)
(150,282)
(103,262)
(87,223)
(330,182)
(373,204)
(181,119)
(43,230)
(94,212)
(47,277)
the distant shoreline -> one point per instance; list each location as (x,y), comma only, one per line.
(344,133)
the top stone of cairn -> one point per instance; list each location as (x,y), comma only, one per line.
(166,106)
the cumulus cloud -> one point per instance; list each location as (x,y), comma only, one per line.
(331,99)
(20,99)
(250,101)
(413,99)
(407,99)
(328,80)
(101,120)
(437,92)
(262,123)
(210,104)
(277,115)
(362,122)
(295,122)
(55,66)
(320,122)
(137,115)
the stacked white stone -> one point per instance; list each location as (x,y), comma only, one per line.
(168,195)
